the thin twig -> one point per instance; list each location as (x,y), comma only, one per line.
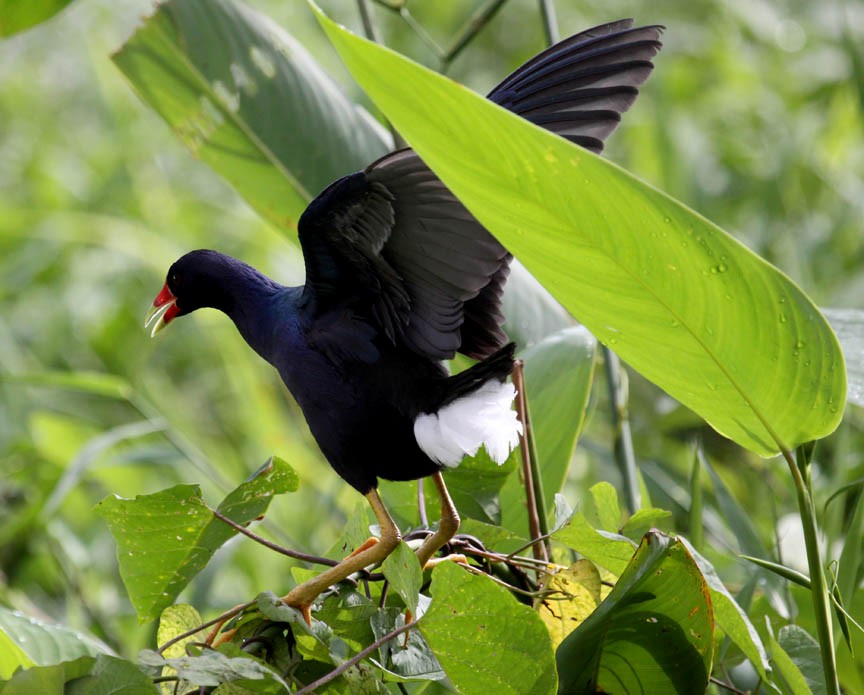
(401,9)
(296,554)
(534,531)
(421,33)
(501,582)
(339,670)
(227,615)
(394,5)
(369,27)
(514,561)
(469,31)
(727,686)
(623,439)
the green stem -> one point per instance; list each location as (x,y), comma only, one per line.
(550,21)
(371,32)
(696,527)
(469,30)
(369,27)
(819,586)
(623,439)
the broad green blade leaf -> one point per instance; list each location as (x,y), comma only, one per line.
(852,555)
(16,15)
(165,539)
(849,326)
(402,570)
(652,634)
(470,625)
(531,312)
(559,371)
(696,525)
(675,296)
(740,521)
(788,673)
(805,654)
(26,642)
(249,101)
(730,617)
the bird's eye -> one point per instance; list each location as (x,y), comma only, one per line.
(174,279)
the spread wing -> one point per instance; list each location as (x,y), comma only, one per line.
(393,245)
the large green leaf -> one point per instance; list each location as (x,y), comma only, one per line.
(804,652)
(849,326)
(683,302)
(470,627)
(16,15)
(652,634)
(531,312)
(249,100)
(797,661)
(729,616)
(165,539)
(26,642)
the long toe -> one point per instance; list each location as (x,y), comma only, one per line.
(305,607)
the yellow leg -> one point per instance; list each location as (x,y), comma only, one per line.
(447,527)
(302,596)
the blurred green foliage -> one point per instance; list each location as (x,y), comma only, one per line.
(754,117)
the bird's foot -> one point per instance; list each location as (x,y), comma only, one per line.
(302,599)
(217,627)
(452,557)
(302,604)
(370,542)
(224,637)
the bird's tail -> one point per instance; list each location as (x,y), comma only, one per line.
(476,411)
(498,366)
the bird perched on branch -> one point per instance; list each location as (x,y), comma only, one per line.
(400,276)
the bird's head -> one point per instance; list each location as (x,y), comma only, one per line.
(194,281)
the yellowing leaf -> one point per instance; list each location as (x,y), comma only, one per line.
(578,591)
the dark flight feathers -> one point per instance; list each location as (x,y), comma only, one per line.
(394,245)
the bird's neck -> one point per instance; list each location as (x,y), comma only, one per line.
(261,309)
